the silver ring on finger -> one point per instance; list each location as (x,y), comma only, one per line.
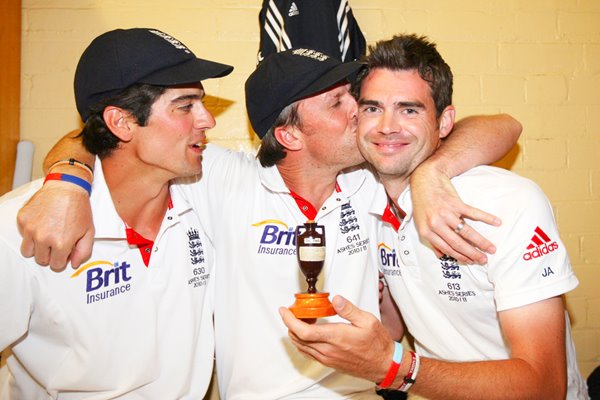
(460,226)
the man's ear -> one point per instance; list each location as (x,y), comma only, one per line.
(288,137)
(119,122)
(446,121)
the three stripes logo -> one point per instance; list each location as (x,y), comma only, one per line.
(344,32)
(540,245)
(275,28)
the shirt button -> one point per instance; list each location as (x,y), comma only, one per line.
(169,218)
(338,199)
(155,249)
(406,252)
(403,237)
(304,208)
(147,250)
(324,208)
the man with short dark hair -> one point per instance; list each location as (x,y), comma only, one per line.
(299,103)
(131,322)
(252,206)
(494,330)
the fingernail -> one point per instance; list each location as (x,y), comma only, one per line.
(338,302)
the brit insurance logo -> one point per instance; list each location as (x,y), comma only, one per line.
(105,279)
(388,260)
(276,237)
(540,245)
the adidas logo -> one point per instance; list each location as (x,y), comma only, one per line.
(293,10)
(540,245)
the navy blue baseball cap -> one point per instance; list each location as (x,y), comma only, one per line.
(291,75)
(120,58)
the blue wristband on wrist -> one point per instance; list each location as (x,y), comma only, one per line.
(70,178)
(398,352)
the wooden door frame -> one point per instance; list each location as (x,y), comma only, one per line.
(10,89)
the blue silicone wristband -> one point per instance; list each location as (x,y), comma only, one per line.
(398,351)
(72,179)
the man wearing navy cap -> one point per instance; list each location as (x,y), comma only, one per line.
(135,320)
(299,104)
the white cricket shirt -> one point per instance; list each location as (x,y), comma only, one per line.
(114,328)
(450,308)
(251,219)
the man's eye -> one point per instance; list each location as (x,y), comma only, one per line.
(186,107)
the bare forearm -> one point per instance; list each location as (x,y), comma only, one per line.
(537,369)
(535,334)
(507,379)
(70,146)
(476,140)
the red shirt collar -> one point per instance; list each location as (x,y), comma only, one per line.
(306,207)
(143,244)
(391,218)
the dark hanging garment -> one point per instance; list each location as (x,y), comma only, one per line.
(325,25)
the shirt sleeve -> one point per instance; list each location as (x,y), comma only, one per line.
(531,263)
(17,285)
(221,169)
(16,299)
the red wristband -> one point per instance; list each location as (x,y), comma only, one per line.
(394,366)
(71,179)
(411,375)
(391,375)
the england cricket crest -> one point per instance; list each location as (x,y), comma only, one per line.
(348,219)
(195,247)
(450,267)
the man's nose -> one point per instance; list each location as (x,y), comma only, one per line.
(203,119)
